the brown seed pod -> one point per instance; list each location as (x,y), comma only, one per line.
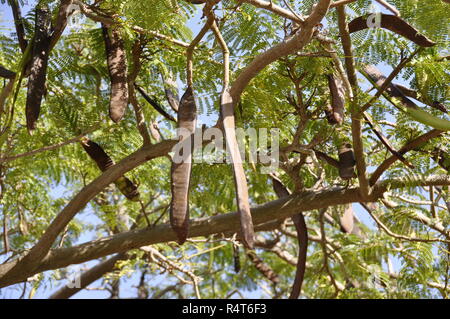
(302,237)
(103,161)
(38,66)
(324,157)
(337,99)
(181,172)
(346,161)
(171,92)
(155,104)
(117,66)
(262,267)
(347,220)
(7,74)
(394,24)
(236,259)
(442,158)
(227,112)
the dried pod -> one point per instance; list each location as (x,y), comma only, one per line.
(330,160)
(337,99)
(181,171)
(439,106)
(171,91)
(7,74)
(116,61)
(392,23)
(227,112)
(442,158)
(262,267)
(155,104)
(347,220)
(103,161)
(279,188)
(329,114)
(38,66)
(302,237)
(236,259)
(346,161)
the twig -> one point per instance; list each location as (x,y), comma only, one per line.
(415,143)
(50,147)
(398,236)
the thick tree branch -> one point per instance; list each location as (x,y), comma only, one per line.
(275,210)
(40,250)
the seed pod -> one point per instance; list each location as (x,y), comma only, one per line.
(337,98)
(38,66)
(302,237)
(329,114)
(346,161)
(7,74)
(330,160)
(442,158)
(181,172)
(346,220)
(171,91)
(240,180)
(155,104)
(103,161)
(394,24)
(117,66)
(236,259)
(279,188)
(262,267)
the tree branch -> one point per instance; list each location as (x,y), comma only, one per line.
(34,257)
(18,270)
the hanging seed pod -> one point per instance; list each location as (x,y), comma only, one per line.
(7,74)
(38,66)
(346,161)
(329,114)
(442,158)
(236,259)
(279,188)
(181,172)
(324,157)
(171,92)
(153,103)
(337,99)
(240,180)
(394,24)
(103,161)
(263,268)
(346,220)
(302,237)
(117,66)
